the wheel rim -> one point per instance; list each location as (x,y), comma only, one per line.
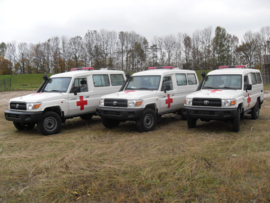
(50,124)
(148,121)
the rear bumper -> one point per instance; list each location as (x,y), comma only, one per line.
(119,113)
(23,117)
(209,113)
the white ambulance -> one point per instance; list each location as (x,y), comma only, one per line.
(63,96)
(226,94)
(148,95)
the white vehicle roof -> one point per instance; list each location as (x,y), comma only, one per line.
(79,73)
(232,71)
(162,72)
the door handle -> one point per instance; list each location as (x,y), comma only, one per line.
(172,94)
(73,98)
(87,97)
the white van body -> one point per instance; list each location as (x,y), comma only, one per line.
(62,96)
(148,95)
(226,94)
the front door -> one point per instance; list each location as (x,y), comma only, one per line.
(79,98)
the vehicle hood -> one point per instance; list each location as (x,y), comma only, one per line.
(215,93)
(38,97)
(131,94)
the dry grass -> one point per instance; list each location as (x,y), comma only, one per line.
(89,163)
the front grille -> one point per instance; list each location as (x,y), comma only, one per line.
(115,102)
(206,102)
(18,105)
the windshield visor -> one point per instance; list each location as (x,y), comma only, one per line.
(57,85)
(222,82)
(143,83)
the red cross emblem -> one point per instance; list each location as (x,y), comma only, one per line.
(81,103)
(169,101)
(248,100)
(128,91)
(213,91)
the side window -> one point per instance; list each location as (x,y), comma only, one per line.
(181,79)
(253,78)
(246,81)
(191,79)
(117,79)
(79,85)
(101,80)
(259,78)
(167,82)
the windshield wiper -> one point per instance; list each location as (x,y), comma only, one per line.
(208,87)
(143,88)
(54,91)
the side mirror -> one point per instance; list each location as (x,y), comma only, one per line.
(248,87)
(76,90)
(167,87)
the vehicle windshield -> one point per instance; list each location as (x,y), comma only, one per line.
(148,82)
(57,85)
(222,82)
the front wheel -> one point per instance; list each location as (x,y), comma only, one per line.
(147,122)
(110,123)
(50,123)
(236,121)
(255,112)
(24,126)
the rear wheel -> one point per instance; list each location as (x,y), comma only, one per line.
(147,122)
(86,116)
(191,122)
(24,126)
(110,123)
(236,121)
(255,112)
(50,123)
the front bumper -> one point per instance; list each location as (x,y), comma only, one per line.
(23,116)
(120,114)
(209,113)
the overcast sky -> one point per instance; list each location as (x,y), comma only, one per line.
(34,21)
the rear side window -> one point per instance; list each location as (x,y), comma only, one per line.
(253,78)
(259,78)
(191,79)
(181,79)
(117,79)
(101,80)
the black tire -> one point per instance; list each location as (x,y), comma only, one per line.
(24,126)
(191,122)
(86,116)
(147,122)
(50,123)
(110,123)
(255,112)
(236,121)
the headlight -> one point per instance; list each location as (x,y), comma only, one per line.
(101,102)
(228,102)
(33,106)
(188,102)
(135,102)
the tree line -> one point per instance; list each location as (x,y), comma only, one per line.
(129,51)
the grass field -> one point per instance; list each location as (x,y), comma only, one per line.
(86,162)
(33,81)
(24,81)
